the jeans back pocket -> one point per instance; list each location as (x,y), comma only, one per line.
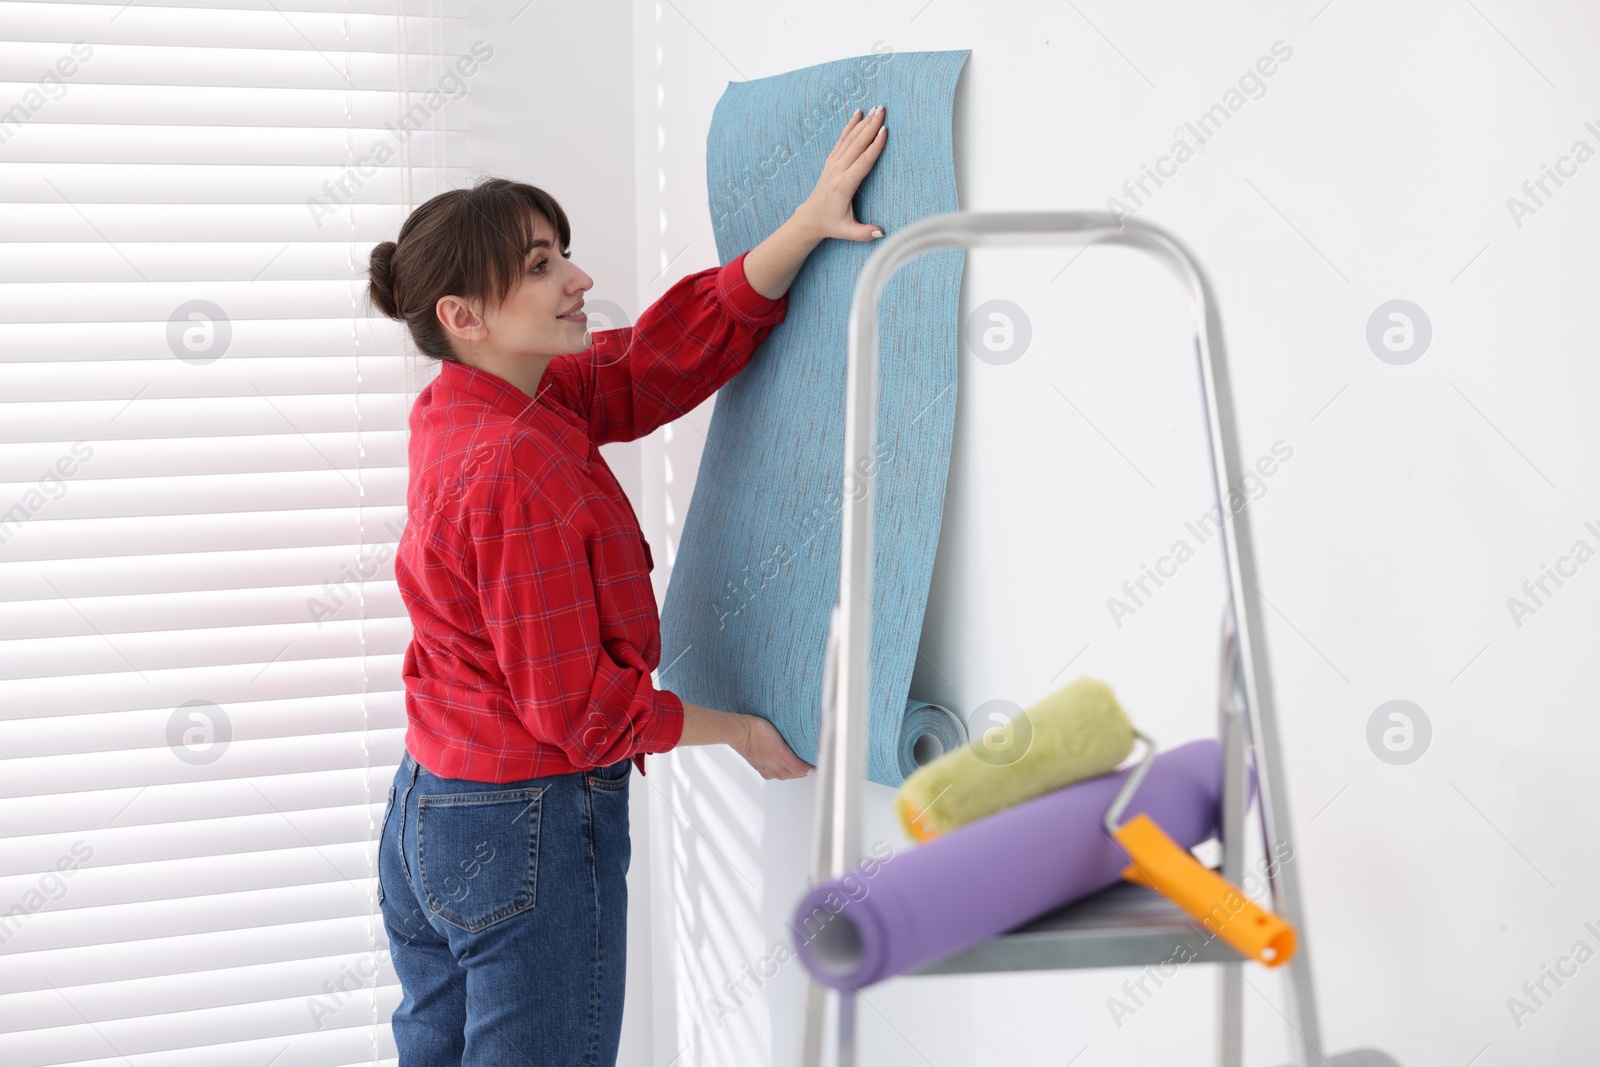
(479,854)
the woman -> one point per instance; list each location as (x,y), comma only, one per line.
(504,848)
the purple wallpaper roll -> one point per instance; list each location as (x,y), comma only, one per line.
(929,901)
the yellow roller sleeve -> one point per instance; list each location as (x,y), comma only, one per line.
(1075,733)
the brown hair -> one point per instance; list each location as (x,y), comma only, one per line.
(472,243)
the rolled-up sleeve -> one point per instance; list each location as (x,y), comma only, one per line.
(587,693)
(685,346)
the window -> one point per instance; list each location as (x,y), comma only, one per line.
(202,478)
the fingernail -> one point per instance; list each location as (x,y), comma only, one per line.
(877,233)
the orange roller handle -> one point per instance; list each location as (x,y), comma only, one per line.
(1160,864)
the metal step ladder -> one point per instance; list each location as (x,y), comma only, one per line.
(1125,925)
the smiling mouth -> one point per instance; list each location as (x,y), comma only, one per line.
(576,315)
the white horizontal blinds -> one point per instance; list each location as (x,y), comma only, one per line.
(202,476)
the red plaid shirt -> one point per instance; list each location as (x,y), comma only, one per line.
(522,565)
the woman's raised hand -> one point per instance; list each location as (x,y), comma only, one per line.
(829,207)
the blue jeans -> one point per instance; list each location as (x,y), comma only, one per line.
(506,907)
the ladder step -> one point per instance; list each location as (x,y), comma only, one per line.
(1126,925)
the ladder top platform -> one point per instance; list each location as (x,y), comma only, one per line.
(1126,925)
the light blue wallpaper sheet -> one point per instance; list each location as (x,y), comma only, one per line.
(745,619)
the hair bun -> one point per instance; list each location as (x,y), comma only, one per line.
(380,279)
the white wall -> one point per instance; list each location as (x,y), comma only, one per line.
(1375,166)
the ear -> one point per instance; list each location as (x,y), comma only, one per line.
(460,319)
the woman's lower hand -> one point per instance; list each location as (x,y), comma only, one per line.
(764,748)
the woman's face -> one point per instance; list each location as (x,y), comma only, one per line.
(534,320)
